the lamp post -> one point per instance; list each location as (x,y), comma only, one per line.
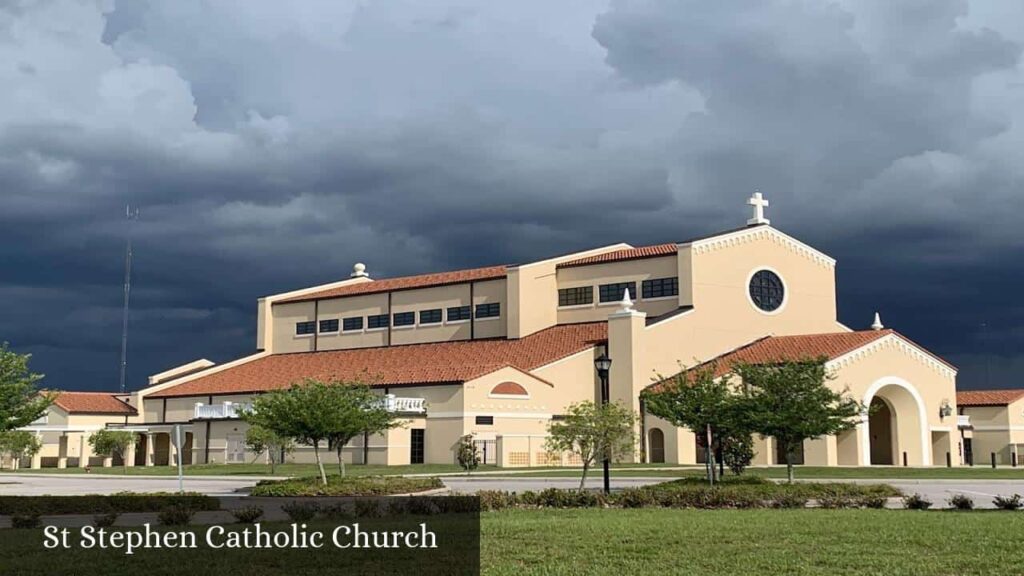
(603,364)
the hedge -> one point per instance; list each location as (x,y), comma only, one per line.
(690,493)
(346,486)
(99,504)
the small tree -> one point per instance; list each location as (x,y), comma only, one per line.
(358,411)
(594,432)
(708,405)
(17,444)
(259,440)
(113,443)
(792,402)
(738,453)
(468,455)
(21,402)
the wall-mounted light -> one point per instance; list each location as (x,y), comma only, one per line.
(945,409)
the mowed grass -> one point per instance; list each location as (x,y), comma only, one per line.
(259,470)
(756,542)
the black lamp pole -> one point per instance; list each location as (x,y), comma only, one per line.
(603,364)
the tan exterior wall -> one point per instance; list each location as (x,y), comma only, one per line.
(628,271)
(341,308)
(998,430)
(284,318)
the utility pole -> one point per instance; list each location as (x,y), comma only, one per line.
(131,214)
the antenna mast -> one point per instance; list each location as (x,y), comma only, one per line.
(131,214)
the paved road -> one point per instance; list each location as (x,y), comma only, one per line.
(472,484)
(41,484)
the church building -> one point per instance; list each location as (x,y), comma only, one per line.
(499,352)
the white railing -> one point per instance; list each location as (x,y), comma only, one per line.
(395,404)
(963,421)
(215,411)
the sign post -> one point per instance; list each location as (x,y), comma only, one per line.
(177,450)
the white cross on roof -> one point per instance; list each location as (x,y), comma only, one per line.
(759,204)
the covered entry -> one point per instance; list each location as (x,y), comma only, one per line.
(896,432)
(656,446)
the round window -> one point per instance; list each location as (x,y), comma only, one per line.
(766,290)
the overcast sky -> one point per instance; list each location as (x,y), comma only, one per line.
(270,145)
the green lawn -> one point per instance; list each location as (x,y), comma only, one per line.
(259,470)
(761,542)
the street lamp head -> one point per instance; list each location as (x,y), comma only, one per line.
(603,364)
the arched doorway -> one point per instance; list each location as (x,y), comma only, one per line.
(881,424)
(896,431)
(656,446)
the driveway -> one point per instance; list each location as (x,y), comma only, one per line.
(78,484)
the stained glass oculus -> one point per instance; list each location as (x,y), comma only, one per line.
(767,291)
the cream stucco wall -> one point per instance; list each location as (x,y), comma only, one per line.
(636,271)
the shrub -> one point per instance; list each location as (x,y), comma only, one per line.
(27,520)
(961,502)
(738,453)
(916,502)
(177,515)
(528,498)
(105,520)
(790,501)
(338,511)
(300,511)
(101,504)
(247,515)
(496,499)
(346,486)
(1007,503)
(635,498)
(369,508)
(872,500)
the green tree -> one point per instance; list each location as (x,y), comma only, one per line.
(708,405)
(792,402)
(112,443)
(17,444)
(467,454)
(358,411)
(21,402)
(259,440)
(594,432)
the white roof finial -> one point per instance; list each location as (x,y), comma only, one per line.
(626,303)
(759,204)
(359,271)
(877,324)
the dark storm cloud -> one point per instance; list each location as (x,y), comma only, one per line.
(270,148)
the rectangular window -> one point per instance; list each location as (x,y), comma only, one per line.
(485,420)
(304,328)
(492,310)
(352,324)
(576,296)
(329,325)
(430,316)
(404,319)
(660,287)
(613,292)
(459,313)
(377,321)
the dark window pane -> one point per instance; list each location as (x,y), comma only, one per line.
(354,323)
(660,288)
(485,420)
(329,325)
(491,310)
(576,296)
(302,328)
(613,292)
(459,313)
(377,321)
(405,318)
(430,316)
(766,290)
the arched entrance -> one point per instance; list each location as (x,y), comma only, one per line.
(656,446)
(897,431)
(881,425)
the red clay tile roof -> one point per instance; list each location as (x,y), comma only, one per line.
(405,283)
(436,363)
(92,403)
(626,254)
(773,349)
(988,397)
